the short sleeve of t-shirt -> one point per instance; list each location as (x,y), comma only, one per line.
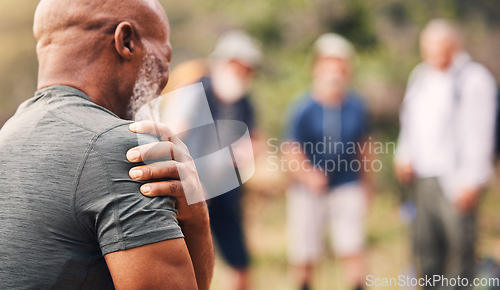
(109,205)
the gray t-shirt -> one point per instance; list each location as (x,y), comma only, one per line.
(66,198)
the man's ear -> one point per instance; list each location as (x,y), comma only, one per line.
(125,40)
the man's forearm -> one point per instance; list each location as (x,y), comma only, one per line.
(199,243)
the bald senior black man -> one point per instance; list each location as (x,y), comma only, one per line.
(72,215)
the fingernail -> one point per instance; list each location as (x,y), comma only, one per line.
(145,189)
(135,174)
(133,127)
(133,154)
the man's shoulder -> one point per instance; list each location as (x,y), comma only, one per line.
(478,72)
(115,141)
(69,117)
(418,71)
(87,116)
(109,131)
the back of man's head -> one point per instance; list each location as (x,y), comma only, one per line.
(99,46)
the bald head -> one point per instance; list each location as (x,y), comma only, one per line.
(440,41)
(56,19)
(100,46)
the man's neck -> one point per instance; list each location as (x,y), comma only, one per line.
(100,95)
(93,75)
(330,100)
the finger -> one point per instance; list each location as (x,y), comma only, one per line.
(157,170)
(164,188)
(157,151)
(158,129)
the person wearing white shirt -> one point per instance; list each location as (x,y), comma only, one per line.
(445,150)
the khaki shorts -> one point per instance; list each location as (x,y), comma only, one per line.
(340,211)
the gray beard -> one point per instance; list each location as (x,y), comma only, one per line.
(147,85)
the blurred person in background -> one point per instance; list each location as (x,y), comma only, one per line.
(329,116)
(445,150)
(227,79)
(234,60)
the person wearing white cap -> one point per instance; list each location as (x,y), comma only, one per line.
(231,72)
(329,190)
(235,59)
